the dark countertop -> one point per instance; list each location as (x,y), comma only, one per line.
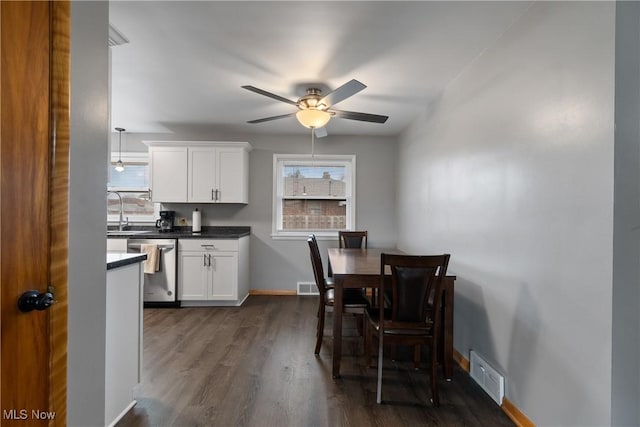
(181,232)
(115,260)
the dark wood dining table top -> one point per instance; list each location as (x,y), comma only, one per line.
(361,262)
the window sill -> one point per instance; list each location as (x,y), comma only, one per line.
(304,235)
(131,219)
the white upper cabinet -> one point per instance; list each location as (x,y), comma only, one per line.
(199,171)
(168,174)
(233,175)
(202,171)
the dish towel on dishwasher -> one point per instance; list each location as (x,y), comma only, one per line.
(152,263)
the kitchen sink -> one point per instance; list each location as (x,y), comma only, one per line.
(127,232)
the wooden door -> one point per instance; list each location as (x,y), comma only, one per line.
(34,143)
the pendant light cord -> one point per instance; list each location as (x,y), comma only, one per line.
(120,146)
(119,164)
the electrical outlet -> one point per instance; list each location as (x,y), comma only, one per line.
(182,221)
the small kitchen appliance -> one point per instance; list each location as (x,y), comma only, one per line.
(166,221)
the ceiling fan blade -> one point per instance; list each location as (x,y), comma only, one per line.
(363,117)
(348,89)
(269,94)
(267,119)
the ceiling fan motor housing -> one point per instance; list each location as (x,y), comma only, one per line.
(311,101)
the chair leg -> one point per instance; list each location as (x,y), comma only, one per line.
(367,344)
(379,389)
(359,323)
(435,397)
(320,330)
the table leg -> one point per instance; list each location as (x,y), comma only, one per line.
(448,329)
(337,327)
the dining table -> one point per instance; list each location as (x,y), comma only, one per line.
(360,268)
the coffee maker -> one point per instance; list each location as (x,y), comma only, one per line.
(166,221)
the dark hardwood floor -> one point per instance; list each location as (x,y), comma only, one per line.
(254,366)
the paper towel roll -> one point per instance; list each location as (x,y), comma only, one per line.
(196,223)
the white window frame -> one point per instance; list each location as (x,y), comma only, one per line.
(282,160)
(132,158)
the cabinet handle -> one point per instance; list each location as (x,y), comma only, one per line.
(217,198)
(204,260)
(209,260)
(212,196)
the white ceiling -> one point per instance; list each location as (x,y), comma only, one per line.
(186,61)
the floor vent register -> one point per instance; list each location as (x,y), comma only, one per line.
(488,378)
(307,288)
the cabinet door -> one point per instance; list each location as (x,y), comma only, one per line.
(194,276)
(116,245)
(224,267)
(168,174)
(202,174)
(123,337)
(232,175)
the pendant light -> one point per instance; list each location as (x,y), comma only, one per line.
(119,164)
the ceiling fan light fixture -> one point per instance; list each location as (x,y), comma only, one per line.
(312,118)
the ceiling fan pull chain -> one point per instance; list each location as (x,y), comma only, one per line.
(312,143)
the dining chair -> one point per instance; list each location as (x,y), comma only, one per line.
(355,239)
(353,300)
(352,239)
(414,316)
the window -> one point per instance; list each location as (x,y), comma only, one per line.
(313,195)
(133,186)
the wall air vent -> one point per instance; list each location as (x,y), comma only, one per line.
(307,288)
(116,38)
(488,378)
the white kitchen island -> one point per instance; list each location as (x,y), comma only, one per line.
(123,361)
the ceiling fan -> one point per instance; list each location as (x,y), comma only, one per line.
(315,109)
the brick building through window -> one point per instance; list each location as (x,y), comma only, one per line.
(314,196)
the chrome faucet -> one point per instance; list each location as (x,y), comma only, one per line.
(122,224)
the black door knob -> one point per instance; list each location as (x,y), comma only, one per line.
(34,300)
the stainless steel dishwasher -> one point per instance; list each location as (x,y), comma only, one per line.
(159,287)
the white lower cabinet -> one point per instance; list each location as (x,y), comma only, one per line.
(213,272)
(123,353)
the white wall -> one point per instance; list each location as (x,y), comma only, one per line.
(280,264)
(512,173)
(88,175)
(625,385)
